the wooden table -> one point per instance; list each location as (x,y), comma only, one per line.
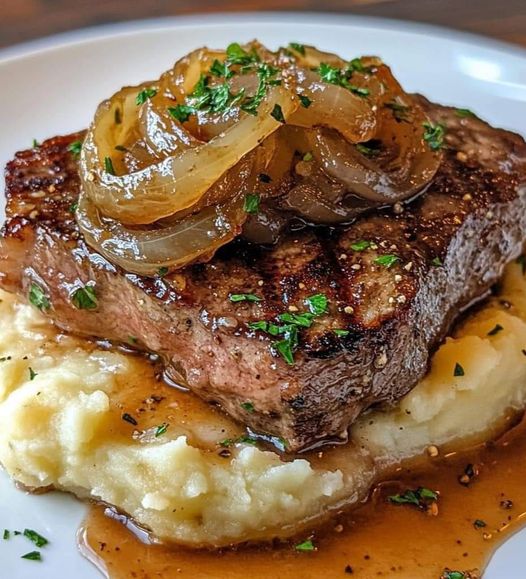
(22,20)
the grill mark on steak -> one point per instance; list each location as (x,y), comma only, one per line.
(472,218)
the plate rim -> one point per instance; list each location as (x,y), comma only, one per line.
(98,32)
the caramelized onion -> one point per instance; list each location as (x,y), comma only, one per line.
(177,182)
(194,238)
(166,165)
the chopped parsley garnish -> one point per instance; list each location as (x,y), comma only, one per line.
(290,323)
(248,406)
(144,95)
(108,166)
(132,339)
(333,75)
(181,113)
(463,113)
(75,147)
(361,245)
(35,538)
(387,260)
(367,151)
(303,319)
(305,101)
(479,524)
(32,556)
(220,69)
(129,418)
(84,298)
(32,374)
(6,535)
(307,545)
(458,371)
(243,439)
(498,328)
(437,262)
(161,429)
(521,260)
(308,156)
(235,298)
(341,333)
(419,497)
(277,113)
(434,135)
(285,348)
(35,144)
(251,203)
(400,111)
(264,178)
(162,271)
(238,55)
(447,574)
(73,207)
(38,298)
(356,65)
(297,47)
(317,304)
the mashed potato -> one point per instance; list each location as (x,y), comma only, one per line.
(61,427)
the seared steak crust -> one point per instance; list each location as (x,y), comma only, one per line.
(452,244)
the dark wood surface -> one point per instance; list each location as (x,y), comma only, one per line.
(22,20)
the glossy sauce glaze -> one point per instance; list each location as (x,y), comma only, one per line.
(482,500)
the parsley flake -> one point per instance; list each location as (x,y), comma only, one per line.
(434,135)
(248,406)
(144,95)
(361,245)
(297,47)
(305,101)
(162,271)
(251,204)
(84,298)
(277,113)
(129,418)
(6,535)
(161,429)
(32,374)
(317,304)
(75,147)
(341,333)
(307,545)
(38,298)
(35,538)
(235,298)
(437,262)
(459,370)
(387,260)
(108,166)
(181,113)
(498,328)
(419,497)
(400,111)
(32,556)
(447,574)
(463,113)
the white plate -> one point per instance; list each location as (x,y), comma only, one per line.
(52,86)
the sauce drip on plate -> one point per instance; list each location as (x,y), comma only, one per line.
(482,501)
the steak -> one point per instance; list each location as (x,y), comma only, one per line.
(395,280)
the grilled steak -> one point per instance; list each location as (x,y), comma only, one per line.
(385,316)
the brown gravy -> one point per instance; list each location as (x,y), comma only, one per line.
(375,540)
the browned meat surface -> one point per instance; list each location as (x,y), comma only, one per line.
(452,244)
